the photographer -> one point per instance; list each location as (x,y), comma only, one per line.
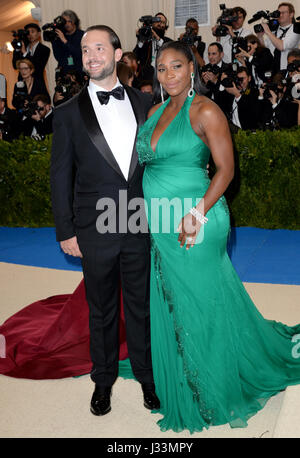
(28,86)
(67,45)
(257,58)
(283,39)
(192,39)
(34,51)
(9,125)
(211,73)
(67,85)
(278,110)
(38,116)
(239,100)
(235,30)
(146,51)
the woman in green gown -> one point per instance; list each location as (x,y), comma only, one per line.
(216,360)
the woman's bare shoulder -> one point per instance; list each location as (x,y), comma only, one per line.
(153,109)
(206,107)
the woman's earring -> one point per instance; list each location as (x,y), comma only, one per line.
(162,94)
(191,91)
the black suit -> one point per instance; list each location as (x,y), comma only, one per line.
(83,170)
(144,57)
(261,64)
(247,106)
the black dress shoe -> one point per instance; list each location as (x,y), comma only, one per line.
(100,403)
(151,401)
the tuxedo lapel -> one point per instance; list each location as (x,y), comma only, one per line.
(94,131)
(139,116)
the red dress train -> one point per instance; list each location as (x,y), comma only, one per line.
(49,339)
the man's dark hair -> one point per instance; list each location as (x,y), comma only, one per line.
(239,9)
(114,39)
(188,53)
(243,69)
(42,98)
(73,16)
(289,5)
(191,20)
(218,45)
(130,55)
(294,53)
(162,14)
(32,25)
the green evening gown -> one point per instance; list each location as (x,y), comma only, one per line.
(216,360)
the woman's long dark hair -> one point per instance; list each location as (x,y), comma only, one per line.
(188,53)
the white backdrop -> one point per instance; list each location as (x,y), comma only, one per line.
(121,15)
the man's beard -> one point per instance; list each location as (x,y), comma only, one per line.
(160,32)
(104,73)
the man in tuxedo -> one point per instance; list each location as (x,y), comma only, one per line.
(35,51)
(94,148)
(211,80)
(146,51)
(240,101)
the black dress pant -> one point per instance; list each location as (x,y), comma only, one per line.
(107,265)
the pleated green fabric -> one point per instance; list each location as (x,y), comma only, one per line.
(216,360)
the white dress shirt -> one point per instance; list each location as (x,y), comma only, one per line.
(226,42)
(235,113)
(291,40)
(118,124)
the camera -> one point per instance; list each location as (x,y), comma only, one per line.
(296,27)
(239,43)
(294,66)
(49,29)
(227,18)
(270,86)
(20,36)
(20,95)
(272,19)
(66,86)
(145,32)
(189,38)
(31,109)
(231,78)
(213,68)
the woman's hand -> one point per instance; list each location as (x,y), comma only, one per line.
(189,229)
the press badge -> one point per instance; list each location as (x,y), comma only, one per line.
(70,60)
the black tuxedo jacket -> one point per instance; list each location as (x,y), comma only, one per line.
(39,59)
(247,106)
(262,62)
(84,169)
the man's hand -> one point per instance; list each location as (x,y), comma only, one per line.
(154,35)
(266,28)
(230,30)
(61,36)
(233,90)
(211,77)
(71,247)
(36,116)
(273,98)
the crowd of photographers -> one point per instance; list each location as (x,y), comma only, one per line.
(253,77)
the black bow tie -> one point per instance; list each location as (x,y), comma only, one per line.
(103,96)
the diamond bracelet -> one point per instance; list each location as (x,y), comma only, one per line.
(199,217)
